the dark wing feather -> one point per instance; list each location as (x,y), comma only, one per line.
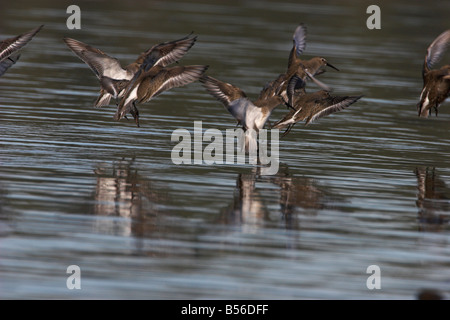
(166,53)
(233,98)
(222,91)
(272,88)
(173,77)
(299,39)
(314,106)
(161,55)
(436,49)
(299,45)
(294,84)
(7,63)
(96,59)
(11,45)
(327,106)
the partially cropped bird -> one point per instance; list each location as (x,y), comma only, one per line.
(113,77)
(436,82)
(312,106)
(9,48)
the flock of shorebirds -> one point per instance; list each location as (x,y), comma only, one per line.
(151,75)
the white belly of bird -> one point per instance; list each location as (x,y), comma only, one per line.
(254,118)
(117,74)
(132,96)
(426,102)
(261,120)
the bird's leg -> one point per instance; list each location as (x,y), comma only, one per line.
(287,130)
(288,105)
(135,113)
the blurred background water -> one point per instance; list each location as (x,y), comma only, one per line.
(365,186)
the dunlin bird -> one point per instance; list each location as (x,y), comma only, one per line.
(436,82)
(315,65)
(312,106)
(10,46)
(304,69)
(251,115)
(151,81)
(113,77)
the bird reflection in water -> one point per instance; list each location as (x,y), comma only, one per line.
(248,208)
(122,192)
(5,214)
(433,200)
(295,195)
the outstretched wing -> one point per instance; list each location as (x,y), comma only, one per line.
(149,85)
(11,45)
(160,55)
(173,77)
(166,53)
(299,44)
(222,91)
(232,97)
(101,64)
(299,39)
(436,49)
(327,106)
(314,106)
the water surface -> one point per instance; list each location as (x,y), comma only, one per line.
(366,186)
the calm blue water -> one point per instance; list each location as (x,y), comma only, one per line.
(366,186)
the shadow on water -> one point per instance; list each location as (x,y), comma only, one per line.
(433,200)
(138,207)
(145,228)
(5,229)
(120,191)
(296,196)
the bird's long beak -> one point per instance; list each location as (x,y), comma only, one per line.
(331,66)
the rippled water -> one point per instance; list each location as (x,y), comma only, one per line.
(366,186)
